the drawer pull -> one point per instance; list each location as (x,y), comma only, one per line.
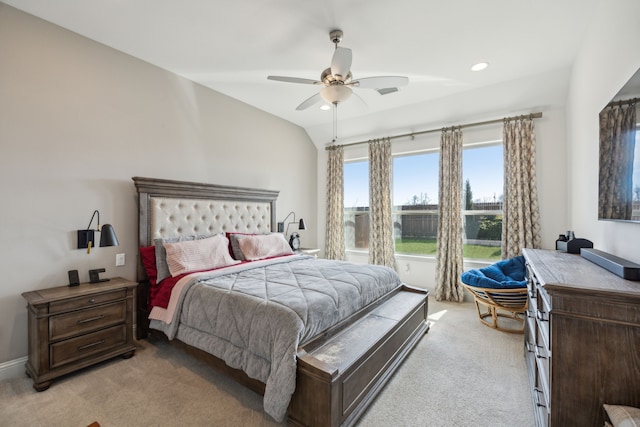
(92,319)
(92,300)
(537,394)
(84,347)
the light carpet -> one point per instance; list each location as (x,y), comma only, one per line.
(460,374)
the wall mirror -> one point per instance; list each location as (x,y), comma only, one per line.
(619,161)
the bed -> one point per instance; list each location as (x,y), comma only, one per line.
(317,338)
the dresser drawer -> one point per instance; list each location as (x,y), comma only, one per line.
(78,322)
(84,346)
(86,301)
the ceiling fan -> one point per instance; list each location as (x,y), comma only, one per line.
(338,80)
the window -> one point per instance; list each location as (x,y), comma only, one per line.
(635,207)
(482,197)
(356,205)
(415,202)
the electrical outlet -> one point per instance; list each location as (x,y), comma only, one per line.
(119,260)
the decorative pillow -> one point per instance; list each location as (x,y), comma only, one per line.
(148,257)
(623,416)
(200,254)
(161,254)
(264,246)
(234,246)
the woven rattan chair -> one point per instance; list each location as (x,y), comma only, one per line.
(507,303)
(499,291)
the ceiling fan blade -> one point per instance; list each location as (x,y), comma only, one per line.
(294,80)
(341,63)
(381,82)
(309,102)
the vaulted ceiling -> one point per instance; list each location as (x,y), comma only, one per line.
(232,47)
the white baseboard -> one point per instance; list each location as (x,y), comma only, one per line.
(13,368)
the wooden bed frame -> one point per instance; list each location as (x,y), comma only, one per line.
(340,372)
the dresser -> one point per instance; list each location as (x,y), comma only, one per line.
(582,339)
(71,328)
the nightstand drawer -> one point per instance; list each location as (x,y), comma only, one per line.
(86,301)
(79,322)
(87,345)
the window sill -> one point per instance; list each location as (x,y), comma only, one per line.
(429,258)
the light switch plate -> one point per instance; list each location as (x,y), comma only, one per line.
(119,260)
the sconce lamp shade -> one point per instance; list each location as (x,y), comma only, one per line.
(86,238)
(301,224)
(108,236)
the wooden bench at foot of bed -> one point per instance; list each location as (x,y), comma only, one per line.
(340,373)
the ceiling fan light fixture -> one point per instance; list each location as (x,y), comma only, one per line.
(325,107)
(335,94)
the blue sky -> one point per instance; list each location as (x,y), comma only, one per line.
(417,175)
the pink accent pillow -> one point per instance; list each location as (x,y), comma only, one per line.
(196,255)
(264,246)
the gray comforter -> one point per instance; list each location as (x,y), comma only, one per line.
(255,316)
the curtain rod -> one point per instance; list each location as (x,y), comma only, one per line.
(468,125)
(623,102)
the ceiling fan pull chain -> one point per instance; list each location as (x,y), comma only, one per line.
(335,122)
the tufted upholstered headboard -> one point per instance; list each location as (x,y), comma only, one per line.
(172,208)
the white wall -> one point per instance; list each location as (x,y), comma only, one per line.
(610,55)
(78,120)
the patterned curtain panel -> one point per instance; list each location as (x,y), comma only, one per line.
(449,251)
(334,239)
(617,145)
(381,243)
(521,214)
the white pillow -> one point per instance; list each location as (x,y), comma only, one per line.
(195,255)
(264,246)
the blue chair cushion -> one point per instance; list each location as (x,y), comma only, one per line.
(508,273)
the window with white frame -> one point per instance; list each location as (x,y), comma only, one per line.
(356,205)
(415,202)
(482,197)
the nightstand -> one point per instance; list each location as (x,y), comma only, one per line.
(72,327)
(309,251)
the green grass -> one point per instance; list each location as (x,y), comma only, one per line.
(428,247)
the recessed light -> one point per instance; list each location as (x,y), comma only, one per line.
(480,66)
(325,107)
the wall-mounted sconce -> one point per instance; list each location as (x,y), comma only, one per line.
(86,238)
(301,224)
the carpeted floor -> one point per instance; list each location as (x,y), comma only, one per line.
(460,374)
